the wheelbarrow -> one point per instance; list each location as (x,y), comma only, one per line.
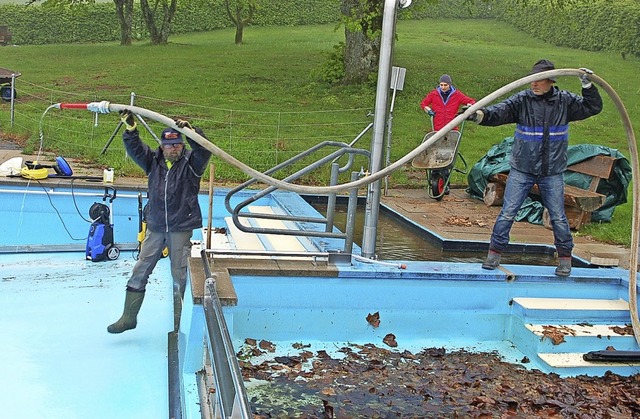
(440,161)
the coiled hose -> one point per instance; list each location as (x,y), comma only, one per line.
(106,107)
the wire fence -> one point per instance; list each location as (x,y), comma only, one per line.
(261,139)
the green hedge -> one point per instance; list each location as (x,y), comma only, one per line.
(38,25)
(598,25)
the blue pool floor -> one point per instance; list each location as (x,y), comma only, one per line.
(58,361)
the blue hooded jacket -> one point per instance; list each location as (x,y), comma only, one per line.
(542,126)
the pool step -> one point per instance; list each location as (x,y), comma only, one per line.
(571,310)
(558,331)
(576,360)
(263,242)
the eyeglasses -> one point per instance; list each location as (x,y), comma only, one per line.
(176,145)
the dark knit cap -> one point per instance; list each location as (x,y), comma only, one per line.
(445,78)
(543,65)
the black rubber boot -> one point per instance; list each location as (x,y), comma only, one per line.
(129,318)
(492,261)
(564,266)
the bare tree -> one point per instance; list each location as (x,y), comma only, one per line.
(241,14)
(162,13)
(124,12)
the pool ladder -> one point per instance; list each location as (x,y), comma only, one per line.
(328,222)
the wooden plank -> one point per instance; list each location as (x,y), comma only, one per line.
(598,166)
(600,261)
(589,304)
(575,360)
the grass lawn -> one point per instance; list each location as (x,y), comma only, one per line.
(260,102)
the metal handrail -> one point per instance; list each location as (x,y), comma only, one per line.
(231,400)
(345,149)
(285,163)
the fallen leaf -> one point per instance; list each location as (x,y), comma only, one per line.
(458,221)
(556,334)
(374,319)
(390,340)
(627,330)
(267,346)
(328,391)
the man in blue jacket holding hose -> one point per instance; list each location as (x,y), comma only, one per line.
(173,211)
(539,155)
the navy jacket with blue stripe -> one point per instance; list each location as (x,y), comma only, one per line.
(542,126)
(173,193)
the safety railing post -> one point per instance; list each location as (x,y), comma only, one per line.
(331,199)
(351,215)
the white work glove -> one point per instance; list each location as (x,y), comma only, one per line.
(584,79)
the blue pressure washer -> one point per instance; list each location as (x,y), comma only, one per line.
(100,243)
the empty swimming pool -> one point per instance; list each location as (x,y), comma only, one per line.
(61,362)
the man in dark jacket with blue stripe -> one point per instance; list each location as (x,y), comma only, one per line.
(172,212)
(539,155)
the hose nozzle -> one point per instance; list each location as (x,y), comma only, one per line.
(97,107)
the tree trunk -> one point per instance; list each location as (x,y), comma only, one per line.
(363,27)
(124,12)
(158,36)
(240,14)
(493,194)
(361,56)
(239,31)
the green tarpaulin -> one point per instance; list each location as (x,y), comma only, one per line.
(615,189)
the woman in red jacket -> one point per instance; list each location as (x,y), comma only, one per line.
(444,102)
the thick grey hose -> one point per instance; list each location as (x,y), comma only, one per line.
(633,264)
(360,182)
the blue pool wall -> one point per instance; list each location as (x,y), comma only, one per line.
(40,215)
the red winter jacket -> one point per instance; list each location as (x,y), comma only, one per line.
(445,110)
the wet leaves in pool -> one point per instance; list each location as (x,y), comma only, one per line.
(373,382)
(556,333)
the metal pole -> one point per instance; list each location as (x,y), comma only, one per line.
(115,131)
(13,95)
(351,215)
(331,199)
(380,118)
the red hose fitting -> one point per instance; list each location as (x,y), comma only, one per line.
(73,106)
